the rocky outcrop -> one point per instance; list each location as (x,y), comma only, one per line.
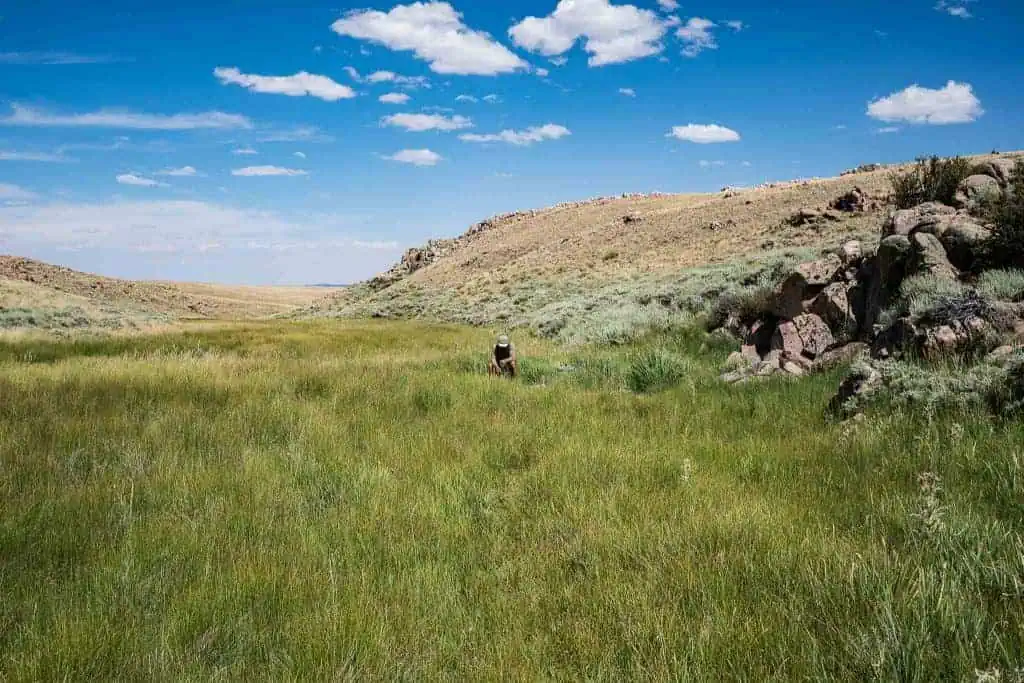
(974,190)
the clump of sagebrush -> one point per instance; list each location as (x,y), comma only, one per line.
(921,293)
(931,180)
(1005,211)
(982,387)
(1002,284)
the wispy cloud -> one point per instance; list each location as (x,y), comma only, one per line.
(300,155)
(887,129)
(398,79)
(423,122)
(628,92)
(416,157)
(467,98)
(703,163)
(56,58)
(7,155)
(310,134)
(697,36)
(183,172)
(258,171)
(109,118)
(955,8)
(244,151)
(15,193)
(138,181)
(394,98)
(297,85)
(521,138)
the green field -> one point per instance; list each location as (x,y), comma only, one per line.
(357,501)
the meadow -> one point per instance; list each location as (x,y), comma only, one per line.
(359,501)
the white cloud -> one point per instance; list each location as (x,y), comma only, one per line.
(668,5)
(736,25)
(697,36)
(353,73)
(15,193)
(398,79)
(887,129)
(956,8)
(7,155)
(434,32)
(298,134)
(841,126)
(466,98)
(183,172)
(139,181)
(543,73)
(703,163)
(54,58)
(300,155)
(613,33)
(260,171)
(746,164)
(108,118)
(394,98)
(704,134)
(628,92)
(559,61)
(416,157)
(424,122)
(297,85)
(955,103)
(492,99)
(521,138)
(244,151)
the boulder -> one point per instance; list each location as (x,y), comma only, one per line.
(974,189)
(791,368)
(804,283)
(883,275)
(856,200)
(750,353)
(815,335)
(940,341)
(930,256)
(850,253)
(840,356)
(833,306)
(861,382)
(787,339)
(1000,169)
(964,242)
(895,340)
(738,361)
(908,221)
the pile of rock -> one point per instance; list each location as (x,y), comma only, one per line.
(412,260)
(829,309)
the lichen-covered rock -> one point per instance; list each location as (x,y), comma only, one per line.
(1000,169)
(974,190)
(908,221)
(787,339)
(815,335)
(964,241)
(930,256)
(833,306)
(840,355)
(804,283)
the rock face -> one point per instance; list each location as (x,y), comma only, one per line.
(908,221)
(999,169)
(805,282)
(974,190)
(854,201)
(834,308)
(930,257)
(814,334)
(964,242)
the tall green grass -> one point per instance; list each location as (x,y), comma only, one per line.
(361,502)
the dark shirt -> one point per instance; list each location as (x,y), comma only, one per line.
(502,353)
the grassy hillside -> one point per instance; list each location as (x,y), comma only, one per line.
(358,501)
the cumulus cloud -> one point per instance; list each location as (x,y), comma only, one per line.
(434,32)
(697,36)
(183,172)
(628,92)
(612,34)
(416,157)
(7,155)
(138,181)
(559,61)
(668,5)
(109,118)
(543,73)
(15,193)
(394,98)
(521,138)
(955,103)
(704,134)
(398,79)
(353,73)
(419,123)
(298,85)
(258,171)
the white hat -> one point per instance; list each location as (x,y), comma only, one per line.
(503,340)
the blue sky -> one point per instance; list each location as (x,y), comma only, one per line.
(243,142)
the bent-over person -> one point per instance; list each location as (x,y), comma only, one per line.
(503,358)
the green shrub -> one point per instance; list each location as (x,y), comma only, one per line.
(654,370)
(1005,211)
(930,180)
(1002,284)
(919,294)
